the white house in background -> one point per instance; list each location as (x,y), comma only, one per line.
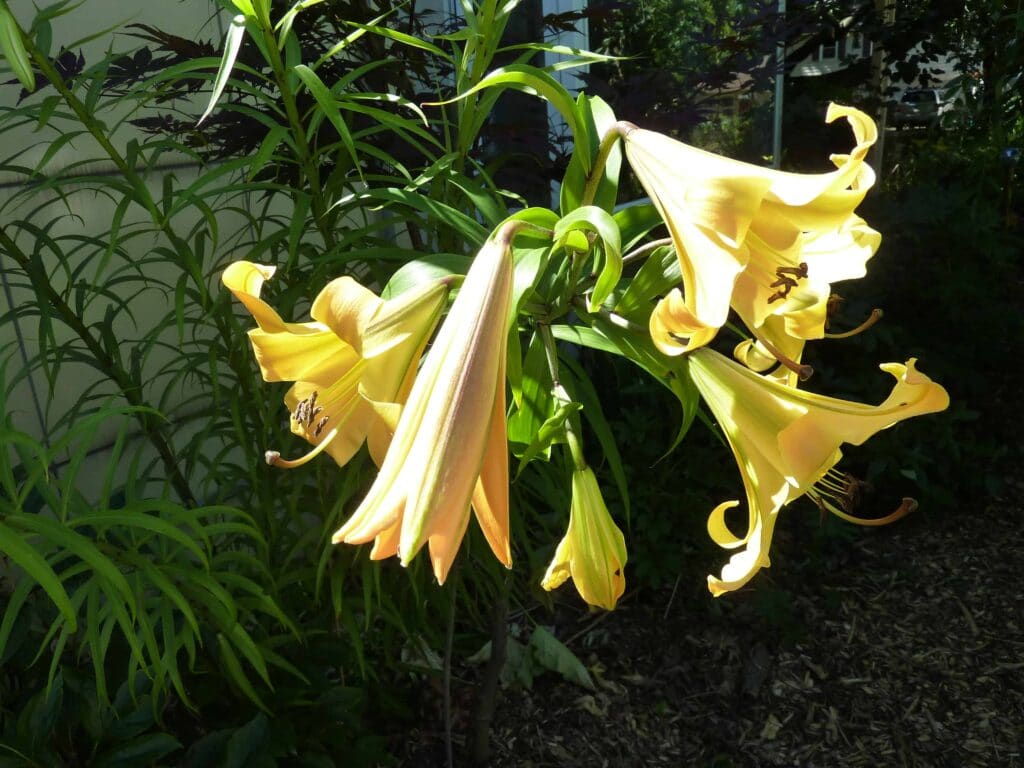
(833,56)
(851,48)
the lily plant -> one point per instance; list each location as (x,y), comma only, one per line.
(441,390)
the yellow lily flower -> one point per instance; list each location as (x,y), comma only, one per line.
(449,448)
(787,443)
(593,551)
(765,241)
(355,360)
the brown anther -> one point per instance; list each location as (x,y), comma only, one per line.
(799,271)
(306,410)
(835,301)
(853,492)
(320,426)
(785,282)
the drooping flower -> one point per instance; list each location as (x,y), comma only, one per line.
(353,362)
(766,242)
(593,551)
(449,450)
(787,443)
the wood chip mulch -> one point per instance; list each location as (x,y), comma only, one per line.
(903,647)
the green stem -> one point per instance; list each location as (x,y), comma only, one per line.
(307,163)
(95,129)
(597,172)
(572,436)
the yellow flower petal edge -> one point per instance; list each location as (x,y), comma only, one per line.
(786,443)
(747,236)
(593,551)
(357,348)
(449,452)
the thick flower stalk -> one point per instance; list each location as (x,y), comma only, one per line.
(765,242)
(593,551)
(449,449)
(353,365)
(787,443)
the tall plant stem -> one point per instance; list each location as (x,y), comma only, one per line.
(305,155)
(597,172)
(129,386)
(487,698)
(449,642)
(572,435)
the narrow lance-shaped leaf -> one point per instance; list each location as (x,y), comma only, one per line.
(535,81)
(325,100)
(13,48)
(35,566)
(232,42)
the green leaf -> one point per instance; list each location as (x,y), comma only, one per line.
(285,22)
(249,743)
(536,406)
(235,672)
(600,120)
(534,81)
(135,516)
(425,269)
(603,121)
(329,106)
(145,750)
(585,337)
(232,42)
(13,48)
(582,389)
(552,654)
(635,220)
(469,229)
(57,534)
(35,566)
(593,219)
(552,428)
(401,37)
(658,275)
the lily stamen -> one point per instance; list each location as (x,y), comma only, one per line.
(273,458)
(874,317)
(839,494)
(786,282)
(802,370)
(307,410)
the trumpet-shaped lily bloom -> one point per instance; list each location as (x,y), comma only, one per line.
(787,443)
(449,449)
(350,365)
(593,551)
(764,241)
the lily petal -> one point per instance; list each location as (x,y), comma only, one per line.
(763,241)
(449,447)
(593,550)
(786,440)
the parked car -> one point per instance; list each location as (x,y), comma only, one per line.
(921,107)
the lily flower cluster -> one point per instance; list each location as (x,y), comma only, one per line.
(764,244)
